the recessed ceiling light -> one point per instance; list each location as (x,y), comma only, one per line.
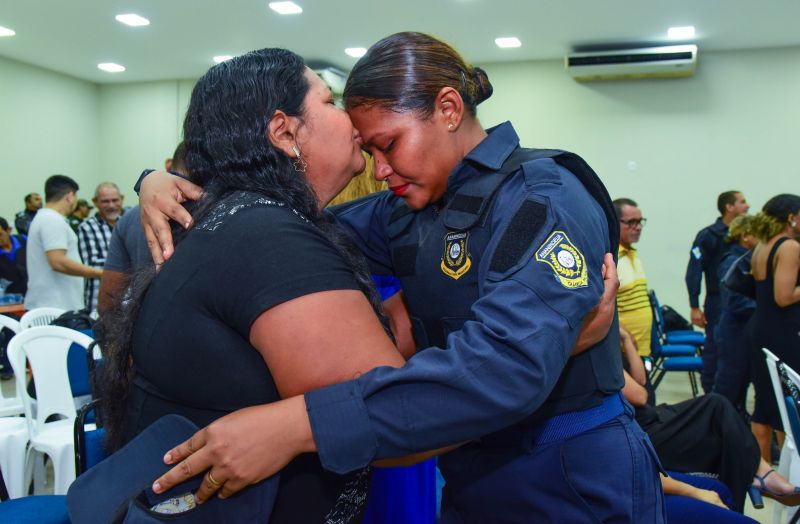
(286,8)
(132,20)
(356,52)
(4,31)
(111,67)
(222,58)
(681,33)
(508,41)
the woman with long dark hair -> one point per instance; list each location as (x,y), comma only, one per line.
(776,322)
(499,251)
(263,298)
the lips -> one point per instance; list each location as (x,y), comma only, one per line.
(399,190)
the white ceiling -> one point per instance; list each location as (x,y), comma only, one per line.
(73,36)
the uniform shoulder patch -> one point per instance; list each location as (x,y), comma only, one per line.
(565,259)
(696,252)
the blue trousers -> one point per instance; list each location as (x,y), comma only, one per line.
(685,510)
(711,311)
(607,474)
(733,359)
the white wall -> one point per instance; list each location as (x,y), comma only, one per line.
(735,125)
(48,124)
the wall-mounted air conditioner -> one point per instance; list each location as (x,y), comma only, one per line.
(653,62)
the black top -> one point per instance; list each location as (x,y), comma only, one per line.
(191,341)
(774,327)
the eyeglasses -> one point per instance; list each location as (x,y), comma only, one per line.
(634,222)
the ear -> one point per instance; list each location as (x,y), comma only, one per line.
(449,108)
(282,132)
(94,200)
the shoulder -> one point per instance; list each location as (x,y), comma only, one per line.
(790,247)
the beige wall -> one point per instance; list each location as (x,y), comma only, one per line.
(733,125)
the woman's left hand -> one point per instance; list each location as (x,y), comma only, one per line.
(598,321)
(240,449)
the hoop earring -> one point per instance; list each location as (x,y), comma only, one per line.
(298,163)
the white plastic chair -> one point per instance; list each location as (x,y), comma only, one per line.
(9,406)
(41,316)
(789,462)
(46,349)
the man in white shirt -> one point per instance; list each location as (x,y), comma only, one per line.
(55,273)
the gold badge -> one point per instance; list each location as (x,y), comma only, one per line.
(456,261)
(563,257)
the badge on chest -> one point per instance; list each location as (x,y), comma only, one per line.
(456,260)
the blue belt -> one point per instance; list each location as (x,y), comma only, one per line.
(560,427)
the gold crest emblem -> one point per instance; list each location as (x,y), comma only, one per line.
(456,260)
(566,261)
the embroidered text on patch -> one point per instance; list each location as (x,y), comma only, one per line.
(566,261)
(456,260)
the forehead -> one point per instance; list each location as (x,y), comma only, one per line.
(631,211)
(107,192)
(315,83)
(373,122)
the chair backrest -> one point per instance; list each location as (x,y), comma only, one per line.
(772,367)
(46,348)
(9,405)
(10,323)
(41,316)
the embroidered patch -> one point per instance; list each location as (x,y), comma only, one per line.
(564,259)
(456,260)
(696,252)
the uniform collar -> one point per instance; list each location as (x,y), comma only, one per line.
(488,155)
(719,226)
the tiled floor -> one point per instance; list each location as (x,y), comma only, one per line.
(674,388)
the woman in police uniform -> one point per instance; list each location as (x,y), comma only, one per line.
(499,251)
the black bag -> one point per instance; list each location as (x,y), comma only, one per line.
(117,490)
(739,279)
(674,321)
(79,320)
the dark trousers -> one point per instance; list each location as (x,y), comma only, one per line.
(606,474)
(706,434)
(685,510)
(733,359)
(712,311)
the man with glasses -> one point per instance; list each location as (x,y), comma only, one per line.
(707,251)
(633,303)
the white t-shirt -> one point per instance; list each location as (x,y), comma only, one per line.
(47,288)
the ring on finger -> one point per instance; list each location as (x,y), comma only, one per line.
(214,482)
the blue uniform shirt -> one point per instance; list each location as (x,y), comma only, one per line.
(731,301)
(706,253)
(501,366)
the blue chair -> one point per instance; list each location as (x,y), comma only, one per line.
(681,336)
(40,509)
(672,357)
(88,439)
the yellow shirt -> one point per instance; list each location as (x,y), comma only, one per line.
(633,304)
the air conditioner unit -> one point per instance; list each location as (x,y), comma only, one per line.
(653,62)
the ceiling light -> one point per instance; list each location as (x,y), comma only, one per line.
(222,58)
(4,31)
(356,52)
(132,20)
(286,8)
(509,41)
(681,33)
(111,67)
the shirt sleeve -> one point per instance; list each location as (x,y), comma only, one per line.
(118,259)
(694,271)
(495,371)
(54,235)
(286,258)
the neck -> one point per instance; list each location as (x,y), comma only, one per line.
(7,245)
(626,246)
(61,207)
(727,219)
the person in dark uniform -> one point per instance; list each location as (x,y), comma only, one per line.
(704,257)
(776,322)
(499,253)
(23,219)
(736,309)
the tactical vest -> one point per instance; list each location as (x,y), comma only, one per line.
(440,294)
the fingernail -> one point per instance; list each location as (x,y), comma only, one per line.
(157,487)
(168,458)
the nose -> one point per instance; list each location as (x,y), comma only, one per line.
(382,169)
